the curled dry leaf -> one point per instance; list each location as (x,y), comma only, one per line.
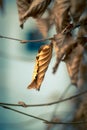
(42,61)
(57,43)
(23,6)
(31,8)
(63,46)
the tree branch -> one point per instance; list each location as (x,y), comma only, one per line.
(25,41)
(45,121)
(9,108)
(22,104)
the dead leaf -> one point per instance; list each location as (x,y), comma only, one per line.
(73,63)
(63,45)
(83,17)
(61,13)
(23,6)
(42,61)
(31,8)
(45,24)
(77,7)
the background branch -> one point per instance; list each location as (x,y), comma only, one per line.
(45,121)
(22,104)
(24,41)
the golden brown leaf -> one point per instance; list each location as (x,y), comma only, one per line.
(42,61)
(31,8)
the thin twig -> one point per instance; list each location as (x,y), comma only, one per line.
(71,28)
(45,104)
(67,123)
(38,118)
(45,121)
(57,106)
(25,41)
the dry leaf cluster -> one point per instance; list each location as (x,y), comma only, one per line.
(66,16)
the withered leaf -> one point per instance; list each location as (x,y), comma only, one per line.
(83,70)
(45,24)
(77,7)
(73,63)
(42,61)
(83,17)
(61,12)
(23,6)
(31,8)
(63,45)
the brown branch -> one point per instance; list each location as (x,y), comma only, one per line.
(38,118)
(22,104)
(45,121)
(68,28)
(67,123)
(25,41)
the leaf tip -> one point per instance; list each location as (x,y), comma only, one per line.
(21,26)
(33,85)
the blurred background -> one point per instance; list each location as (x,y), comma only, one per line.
(16,68)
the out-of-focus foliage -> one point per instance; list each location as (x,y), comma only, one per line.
(31,8)
(65,15)
(1,5)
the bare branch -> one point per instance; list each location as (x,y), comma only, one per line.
(25,41)
(45,104)
(67,123)
(9,108)
(45,121)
